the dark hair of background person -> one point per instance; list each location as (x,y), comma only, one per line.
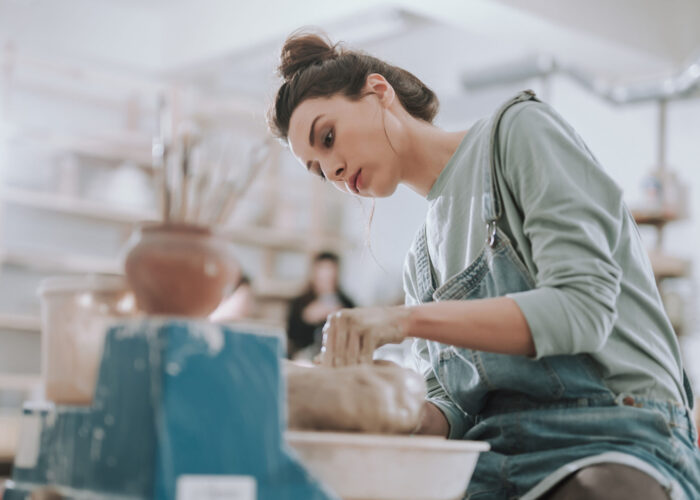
(314,67)
(327,256)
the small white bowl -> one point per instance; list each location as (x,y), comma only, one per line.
(387,467)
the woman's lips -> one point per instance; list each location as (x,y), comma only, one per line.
(358,181)
(355,182)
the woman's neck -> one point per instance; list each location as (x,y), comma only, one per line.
(428,151)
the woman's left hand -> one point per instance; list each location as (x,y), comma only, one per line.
(350,336)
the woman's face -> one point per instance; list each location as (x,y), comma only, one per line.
(347,142)
(324,276)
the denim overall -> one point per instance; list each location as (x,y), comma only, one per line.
(546,418)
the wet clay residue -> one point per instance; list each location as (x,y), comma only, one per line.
(381,398)
(180,270)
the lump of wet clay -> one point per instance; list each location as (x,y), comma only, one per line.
(383,398)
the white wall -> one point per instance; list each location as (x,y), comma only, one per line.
(103,33)
(162,34)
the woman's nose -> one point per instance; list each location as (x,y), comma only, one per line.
(337,172)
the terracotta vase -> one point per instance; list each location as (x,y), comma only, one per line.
(179,270)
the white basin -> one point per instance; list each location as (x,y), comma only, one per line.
(384,467)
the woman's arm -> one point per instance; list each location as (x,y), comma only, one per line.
(570,216)
(493,325)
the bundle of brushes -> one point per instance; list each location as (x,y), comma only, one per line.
(200,183)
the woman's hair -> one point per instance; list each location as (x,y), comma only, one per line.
(314,67)
(327,255)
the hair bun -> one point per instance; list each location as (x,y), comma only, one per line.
(302,50)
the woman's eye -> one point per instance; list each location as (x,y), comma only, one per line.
(320,173)
(328,139)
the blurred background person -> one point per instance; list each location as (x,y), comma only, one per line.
(308,312)
(237,306)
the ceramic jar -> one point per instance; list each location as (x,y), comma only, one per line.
(178,269)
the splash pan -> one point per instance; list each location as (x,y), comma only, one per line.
(383,467)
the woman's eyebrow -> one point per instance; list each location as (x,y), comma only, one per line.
(311,132)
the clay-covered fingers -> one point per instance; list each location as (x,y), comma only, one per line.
(353,348)
(355,334)
(340,342)
(350,336)
(335,334)
(368,344)
(327,348)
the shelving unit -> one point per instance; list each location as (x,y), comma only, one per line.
(664,266)
(18,322)
(667,266)
(117,119)
(109,146)
(74,206)
(667,209)
(267,237)
(37,99)
(57,263)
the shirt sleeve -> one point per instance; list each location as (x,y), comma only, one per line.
(572,217)
(456,418)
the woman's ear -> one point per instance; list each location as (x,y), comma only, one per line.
(377,84)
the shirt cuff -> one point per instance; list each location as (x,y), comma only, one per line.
(456,418)
(542,311)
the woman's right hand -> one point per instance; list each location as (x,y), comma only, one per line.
(350,336)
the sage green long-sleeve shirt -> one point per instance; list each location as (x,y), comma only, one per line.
(595,292)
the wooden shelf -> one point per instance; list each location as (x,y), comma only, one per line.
(267,237)
(107,80)
(654,218)
(19,382)
(277,288)
(66,263)
(281,239)
(89,146)
(666,266)
(74,206)
(122,146)
(20,322)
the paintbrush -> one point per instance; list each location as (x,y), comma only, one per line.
(159,155)
(234,191)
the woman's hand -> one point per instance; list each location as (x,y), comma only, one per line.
(350,336)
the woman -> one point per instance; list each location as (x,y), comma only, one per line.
(537,320)
(308,312)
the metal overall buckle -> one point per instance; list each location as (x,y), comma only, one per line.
(491,233)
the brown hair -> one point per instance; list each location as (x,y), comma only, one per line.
(314,67)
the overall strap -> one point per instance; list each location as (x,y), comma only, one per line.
(491,198)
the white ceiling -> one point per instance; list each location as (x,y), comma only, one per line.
(669,29)
(232,45)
